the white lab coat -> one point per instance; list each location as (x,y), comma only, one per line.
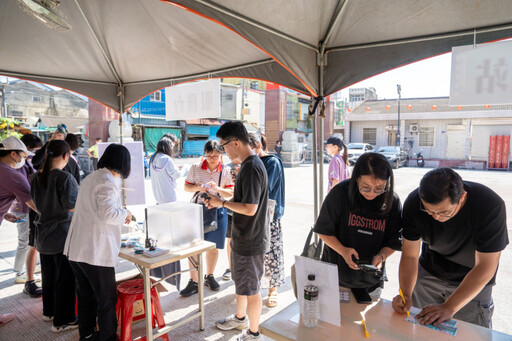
(94,236)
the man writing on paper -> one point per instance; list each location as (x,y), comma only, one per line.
(463,228)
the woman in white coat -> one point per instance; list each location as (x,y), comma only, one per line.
(94,241)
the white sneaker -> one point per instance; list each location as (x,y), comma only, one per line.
(47,318)
(4,318)
(246,336)
(22,278)
(231,322)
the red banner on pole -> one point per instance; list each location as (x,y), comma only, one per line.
(505,152)
(492,151)
(499,148)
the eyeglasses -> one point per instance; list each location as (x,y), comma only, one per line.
(216,156)
(378,190)
(225,143)
(440,214)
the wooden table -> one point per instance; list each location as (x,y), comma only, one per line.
(145,264)
(382,321)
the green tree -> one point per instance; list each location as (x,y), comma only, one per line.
(7,127)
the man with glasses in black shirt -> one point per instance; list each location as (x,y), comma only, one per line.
(460,228)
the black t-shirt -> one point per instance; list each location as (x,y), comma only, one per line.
(250,235)
(448,250)
(366,230)
(53,204)
(71,167)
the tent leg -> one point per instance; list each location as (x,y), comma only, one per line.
(315,174)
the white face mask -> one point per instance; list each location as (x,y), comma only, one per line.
(18,165)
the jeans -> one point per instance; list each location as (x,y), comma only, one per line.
(22,249)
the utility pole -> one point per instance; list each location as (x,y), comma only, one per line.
(399,90)
(4,103)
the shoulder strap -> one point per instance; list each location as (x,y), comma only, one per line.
(220,175)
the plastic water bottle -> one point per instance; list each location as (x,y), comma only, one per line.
(311,304)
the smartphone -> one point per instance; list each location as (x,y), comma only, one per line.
(361,295)
(368,267)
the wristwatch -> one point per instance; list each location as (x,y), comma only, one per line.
(223,203)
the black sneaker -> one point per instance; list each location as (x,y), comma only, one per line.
(190,290)
(210,281)
(32,289)
(67,326)
(91,337)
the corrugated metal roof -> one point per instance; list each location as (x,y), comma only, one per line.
(73,124)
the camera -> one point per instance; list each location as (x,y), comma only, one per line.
(205,196)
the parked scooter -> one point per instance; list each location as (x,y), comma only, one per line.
(420,161)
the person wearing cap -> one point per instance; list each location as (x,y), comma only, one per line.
(27,253)
(338,167)
(12,157)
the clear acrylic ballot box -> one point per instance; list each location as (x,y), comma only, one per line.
(175,225)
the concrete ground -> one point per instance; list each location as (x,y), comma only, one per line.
(296,222)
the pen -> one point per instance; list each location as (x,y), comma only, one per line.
(403,300)
(366,334)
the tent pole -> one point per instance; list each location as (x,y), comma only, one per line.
(315,174)
(321,62)
(120,93)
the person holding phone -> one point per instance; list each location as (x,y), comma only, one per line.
(360,222)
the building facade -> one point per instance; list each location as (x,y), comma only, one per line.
(447,136)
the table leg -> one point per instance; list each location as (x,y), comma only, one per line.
(200,289)
(147,299)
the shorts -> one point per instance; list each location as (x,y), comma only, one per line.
(219,235)
(246,272)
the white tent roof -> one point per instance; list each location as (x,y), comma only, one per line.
(133,47)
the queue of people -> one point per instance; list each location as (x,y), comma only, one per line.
(451,232)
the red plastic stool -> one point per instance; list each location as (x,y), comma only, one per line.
(127,293)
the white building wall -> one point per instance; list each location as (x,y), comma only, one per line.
(437,151)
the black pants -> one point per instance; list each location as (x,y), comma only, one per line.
(94,163)
(59,289)
(97,297)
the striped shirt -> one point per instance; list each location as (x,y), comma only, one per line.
(200,174)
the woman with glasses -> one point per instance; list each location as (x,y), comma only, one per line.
(360,223)
(213,178)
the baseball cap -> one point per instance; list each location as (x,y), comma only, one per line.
(61,128)
(334,140)
(14,143)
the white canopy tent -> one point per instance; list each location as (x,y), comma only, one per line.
(118,51)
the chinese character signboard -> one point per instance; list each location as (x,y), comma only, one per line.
(193,100)
(482,75)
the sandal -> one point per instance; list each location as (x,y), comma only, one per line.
(273,299)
